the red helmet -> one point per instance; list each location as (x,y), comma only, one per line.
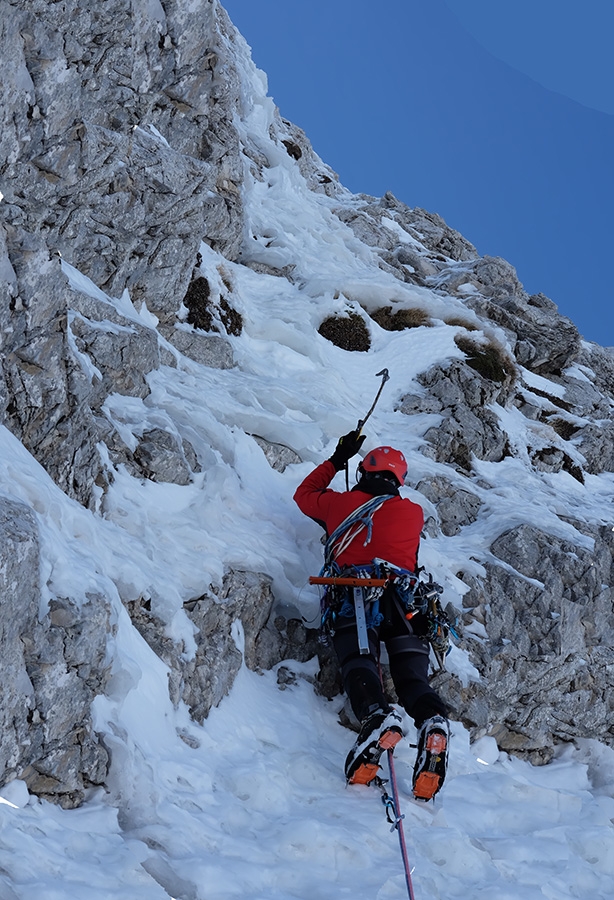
(386,459)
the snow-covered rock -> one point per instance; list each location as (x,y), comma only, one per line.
(170,248)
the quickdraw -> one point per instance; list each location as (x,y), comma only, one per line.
(421,598)
(395,819)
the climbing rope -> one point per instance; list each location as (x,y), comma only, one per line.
(395,818)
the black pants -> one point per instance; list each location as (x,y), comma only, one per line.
(408,655)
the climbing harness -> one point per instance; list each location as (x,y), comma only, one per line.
(366,594)
(413,596)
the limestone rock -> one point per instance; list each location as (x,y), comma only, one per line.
(52,670)
(548,615)
(118,150)
(543,340)
(468,427)
(278,455)
(596,443)
(208,349)
(414,244)
(122,356)
(267,638)
(598,363)
(19,595)
(320,177)
(163,457)
(455,506)
(432,231)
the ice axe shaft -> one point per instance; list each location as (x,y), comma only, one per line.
(384,375)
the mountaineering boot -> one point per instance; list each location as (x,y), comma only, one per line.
(380,731)
(432,758)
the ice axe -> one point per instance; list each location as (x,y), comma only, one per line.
(384,375)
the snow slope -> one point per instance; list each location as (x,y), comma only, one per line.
(253,804)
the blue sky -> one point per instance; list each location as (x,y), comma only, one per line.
(497,116)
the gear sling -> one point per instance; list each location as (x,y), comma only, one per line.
(360,579)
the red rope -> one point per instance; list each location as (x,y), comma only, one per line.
(398,824)
(398,818)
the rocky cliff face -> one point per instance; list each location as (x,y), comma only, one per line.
(51,671)
(87,177)
(123,156)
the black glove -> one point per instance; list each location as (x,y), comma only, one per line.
(347,447)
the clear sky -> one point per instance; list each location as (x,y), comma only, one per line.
(499,116)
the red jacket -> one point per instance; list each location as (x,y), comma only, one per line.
(396,525)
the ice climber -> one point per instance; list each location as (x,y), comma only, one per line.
(391,533)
